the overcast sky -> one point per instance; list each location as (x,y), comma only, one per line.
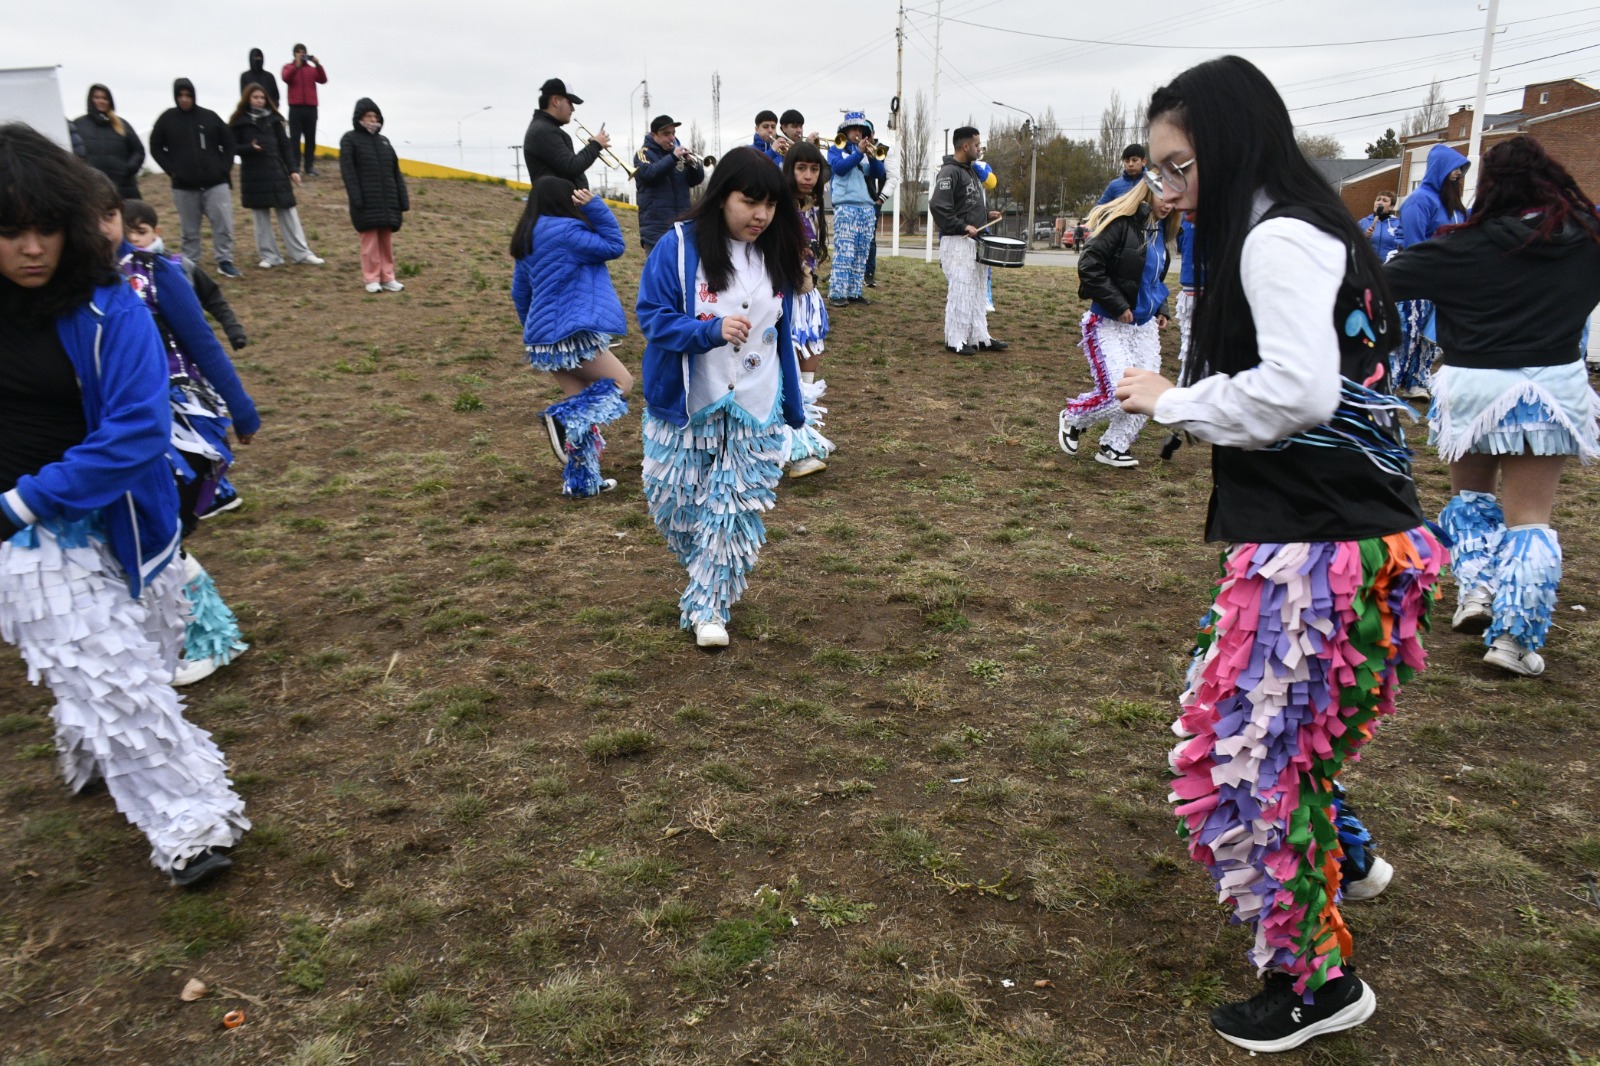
(430,64)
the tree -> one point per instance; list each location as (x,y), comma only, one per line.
(1113,133)
(1430,116)
(1385,147)
(1320,145)
(697,140)
(915,133)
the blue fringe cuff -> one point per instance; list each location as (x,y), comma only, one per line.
(1527,577)
(213,631)
(1475,526)
(582,415)
(808,442)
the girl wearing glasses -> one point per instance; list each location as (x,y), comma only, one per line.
(1122,273)
(1328,572)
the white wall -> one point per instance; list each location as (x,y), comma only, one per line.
(32,95)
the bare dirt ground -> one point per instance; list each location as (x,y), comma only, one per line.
(507,813)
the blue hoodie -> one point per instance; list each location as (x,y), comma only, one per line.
(1117,186)
(673,336)
(563,286)
(1423,212)
(1388,235)
(120,469)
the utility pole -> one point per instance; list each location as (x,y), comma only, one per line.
(934,160)
(716,113)
(1032,129)
(516,160)
(899,103)
(461,151)
(1475,146)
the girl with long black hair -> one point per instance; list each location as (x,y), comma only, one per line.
(803,168)
(1329,573)
(721,380)
(1511,288)
(90,592)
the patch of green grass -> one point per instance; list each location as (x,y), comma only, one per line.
(986,670)
(835,911)
(301,955)
(1130,714)
(580,1012)
(908,848)
(12,724)
(624,743)
(440,1011)
(400,979)
(727,775)
(203,922)
(672,918)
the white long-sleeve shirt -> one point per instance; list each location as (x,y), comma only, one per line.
(1291,272)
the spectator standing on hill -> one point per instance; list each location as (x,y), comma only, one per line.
(377,193)
(267,178)
(1132,172)
(300,79)
(258,74)
(109,144)
(192,144)
(665,173)
(1383,228)
(547,149)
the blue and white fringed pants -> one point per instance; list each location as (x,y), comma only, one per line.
(807,442)
(706,485)
(1526,575)
(854,230)
(213,631)
(109,661)
(1411,364)
(1476,526)
(582,415)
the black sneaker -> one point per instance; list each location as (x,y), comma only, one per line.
(860,300)
(965,349)
(993,346)
(1278,1018)
(228,270)
(871,283)
(1111,457)
(201,868)
(558,437)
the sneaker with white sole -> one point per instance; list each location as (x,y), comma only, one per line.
(373,286)
(1067,435)
(312,260)
(710,635)
(1278,1018)
(200,868)
(191,670)
(1111,457)
(1378,876)
(1474,612)
(1507,654)
(809,465)
(266,264)
(392,286)
(557,433)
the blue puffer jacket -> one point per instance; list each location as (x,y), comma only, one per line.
(120,469)
(563,287)
(663,189)
(673,336)
(851,168)
(1423,212)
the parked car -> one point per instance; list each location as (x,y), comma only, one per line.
(1042,231)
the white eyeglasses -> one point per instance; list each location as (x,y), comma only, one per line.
(1168,174)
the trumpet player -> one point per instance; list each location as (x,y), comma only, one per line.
(767,138)
(546,146)
(853,163)
(791,130)
(665,172)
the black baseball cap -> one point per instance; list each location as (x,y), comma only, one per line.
(557,87)
(661,122)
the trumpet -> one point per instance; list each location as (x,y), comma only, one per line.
(689,157)
(607,156)
(880,151)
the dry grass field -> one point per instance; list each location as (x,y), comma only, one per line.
(506,812)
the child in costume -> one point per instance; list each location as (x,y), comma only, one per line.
(570,315)
(1511,288)
(1328,575)
(207,400)
(808,448)
(721,381)
(1122,272)
(853,212)
(1436,202)
(89,517)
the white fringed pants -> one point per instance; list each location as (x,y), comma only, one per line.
(965,320)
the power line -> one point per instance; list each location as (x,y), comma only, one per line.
(1458,77)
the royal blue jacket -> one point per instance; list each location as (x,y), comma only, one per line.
(1388,235)
(1119,185)
(1186,250)
(180,309)
(851,168)
(663,189)
(1423,212)
(674,336)
(767,150)
(120,468)
(563,287)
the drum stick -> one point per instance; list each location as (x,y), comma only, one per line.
(987,224)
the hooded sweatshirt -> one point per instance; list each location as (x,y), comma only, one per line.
(118,154)
(1504,298)
(1424,210)
(260,75)
(194,147)
(371,172)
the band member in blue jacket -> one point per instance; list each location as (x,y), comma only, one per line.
(854,216)
(89,516)
(1435,203)
(1383,228)
(666,172)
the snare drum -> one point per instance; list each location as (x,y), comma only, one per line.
(1000,251)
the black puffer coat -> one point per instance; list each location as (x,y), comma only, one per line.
(116,155)
(265,162)
(371,172)
(1112,266)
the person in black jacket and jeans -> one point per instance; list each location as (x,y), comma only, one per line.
(546,147)
(192,144)
(109,144)
(377,193)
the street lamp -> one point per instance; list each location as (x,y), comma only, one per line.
(460,151)
(1033,167)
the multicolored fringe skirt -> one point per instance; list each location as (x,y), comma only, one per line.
(706,485)
(1543,410)
(1411,364)
(810,324)
(570,353)
(109,660)
(1304,649)
(1112,347)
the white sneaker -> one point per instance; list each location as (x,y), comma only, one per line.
(1474,612)
(1111,457)
(1067,435)
(189,671)
(809,465)
(373,286)
(1379,874)
(312,260)
(1507,654)
(266,264)
(710,635)
(392,286)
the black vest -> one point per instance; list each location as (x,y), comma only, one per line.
(1304,492)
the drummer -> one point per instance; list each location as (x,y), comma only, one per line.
(960,210)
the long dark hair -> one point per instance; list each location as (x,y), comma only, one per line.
(806,152)
(1450,195)
(1519,176)
(781,244)
(1244,141)
(243,110)
(45,187)
(550,197)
